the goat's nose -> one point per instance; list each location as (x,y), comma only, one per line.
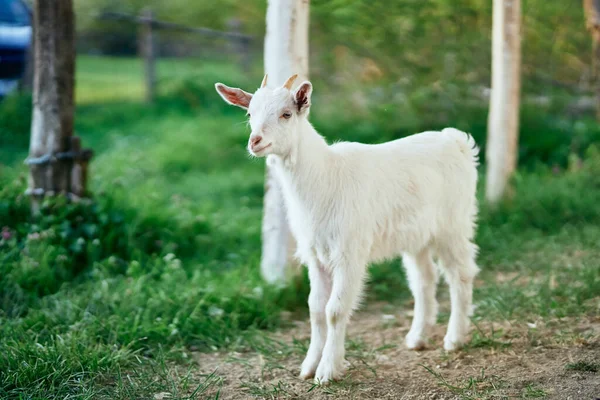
(254,140)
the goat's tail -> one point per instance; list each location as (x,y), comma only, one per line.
(466,143)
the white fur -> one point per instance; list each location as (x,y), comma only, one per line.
(351,204)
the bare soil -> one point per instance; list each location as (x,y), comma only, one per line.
(519,360)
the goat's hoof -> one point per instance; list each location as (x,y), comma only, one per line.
(453,344)
(415,342)
(309,366)
(307,373)
(327,372)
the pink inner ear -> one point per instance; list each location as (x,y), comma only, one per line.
(236,96)
(232,97)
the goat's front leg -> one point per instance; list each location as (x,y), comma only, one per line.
(345,295)
(320,289)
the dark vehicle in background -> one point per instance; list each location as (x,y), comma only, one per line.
(15,41)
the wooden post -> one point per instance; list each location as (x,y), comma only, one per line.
(76,173)
(592,19)
(239,47)
(148,53)
(286,53)
(53,149)
(79,168)
(52,119)
(503,119)
(234,25)
(246,58)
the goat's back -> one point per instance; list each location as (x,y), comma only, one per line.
(407,192)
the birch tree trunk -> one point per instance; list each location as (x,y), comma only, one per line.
(286,53)
(50,159)
(503,119)
(592,18)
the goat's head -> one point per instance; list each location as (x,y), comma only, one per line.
(274,114)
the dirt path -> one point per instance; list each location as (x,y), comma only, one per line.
(554,360)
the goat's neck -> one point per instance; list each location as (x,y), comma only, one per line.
(309,154)
(308,164)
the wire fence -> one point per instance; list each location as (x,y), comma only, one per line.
(151,39)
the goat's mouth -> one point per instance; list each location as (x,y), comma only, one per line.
(256,151)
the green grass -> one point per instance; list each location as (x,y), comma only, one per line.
(584,366)
(108,300)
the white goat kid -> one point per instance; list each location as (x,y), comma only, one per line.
(350,204)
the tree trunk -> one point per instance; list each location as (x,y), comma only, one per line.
(286,53)
(592,17)
(503,119)
(50,159)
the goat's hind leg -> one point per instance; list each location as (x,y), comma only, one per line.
(460,269)
(422,279)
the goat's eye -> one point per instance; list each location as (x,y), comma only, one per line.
(286,115)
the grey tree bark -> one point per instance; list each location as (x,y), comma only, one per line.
(50,158)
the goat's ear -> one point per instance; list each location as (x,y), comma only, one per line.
(302,96)
(234,96)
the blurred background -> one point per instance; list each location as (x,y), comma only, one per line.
(165,261)
(396,68)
